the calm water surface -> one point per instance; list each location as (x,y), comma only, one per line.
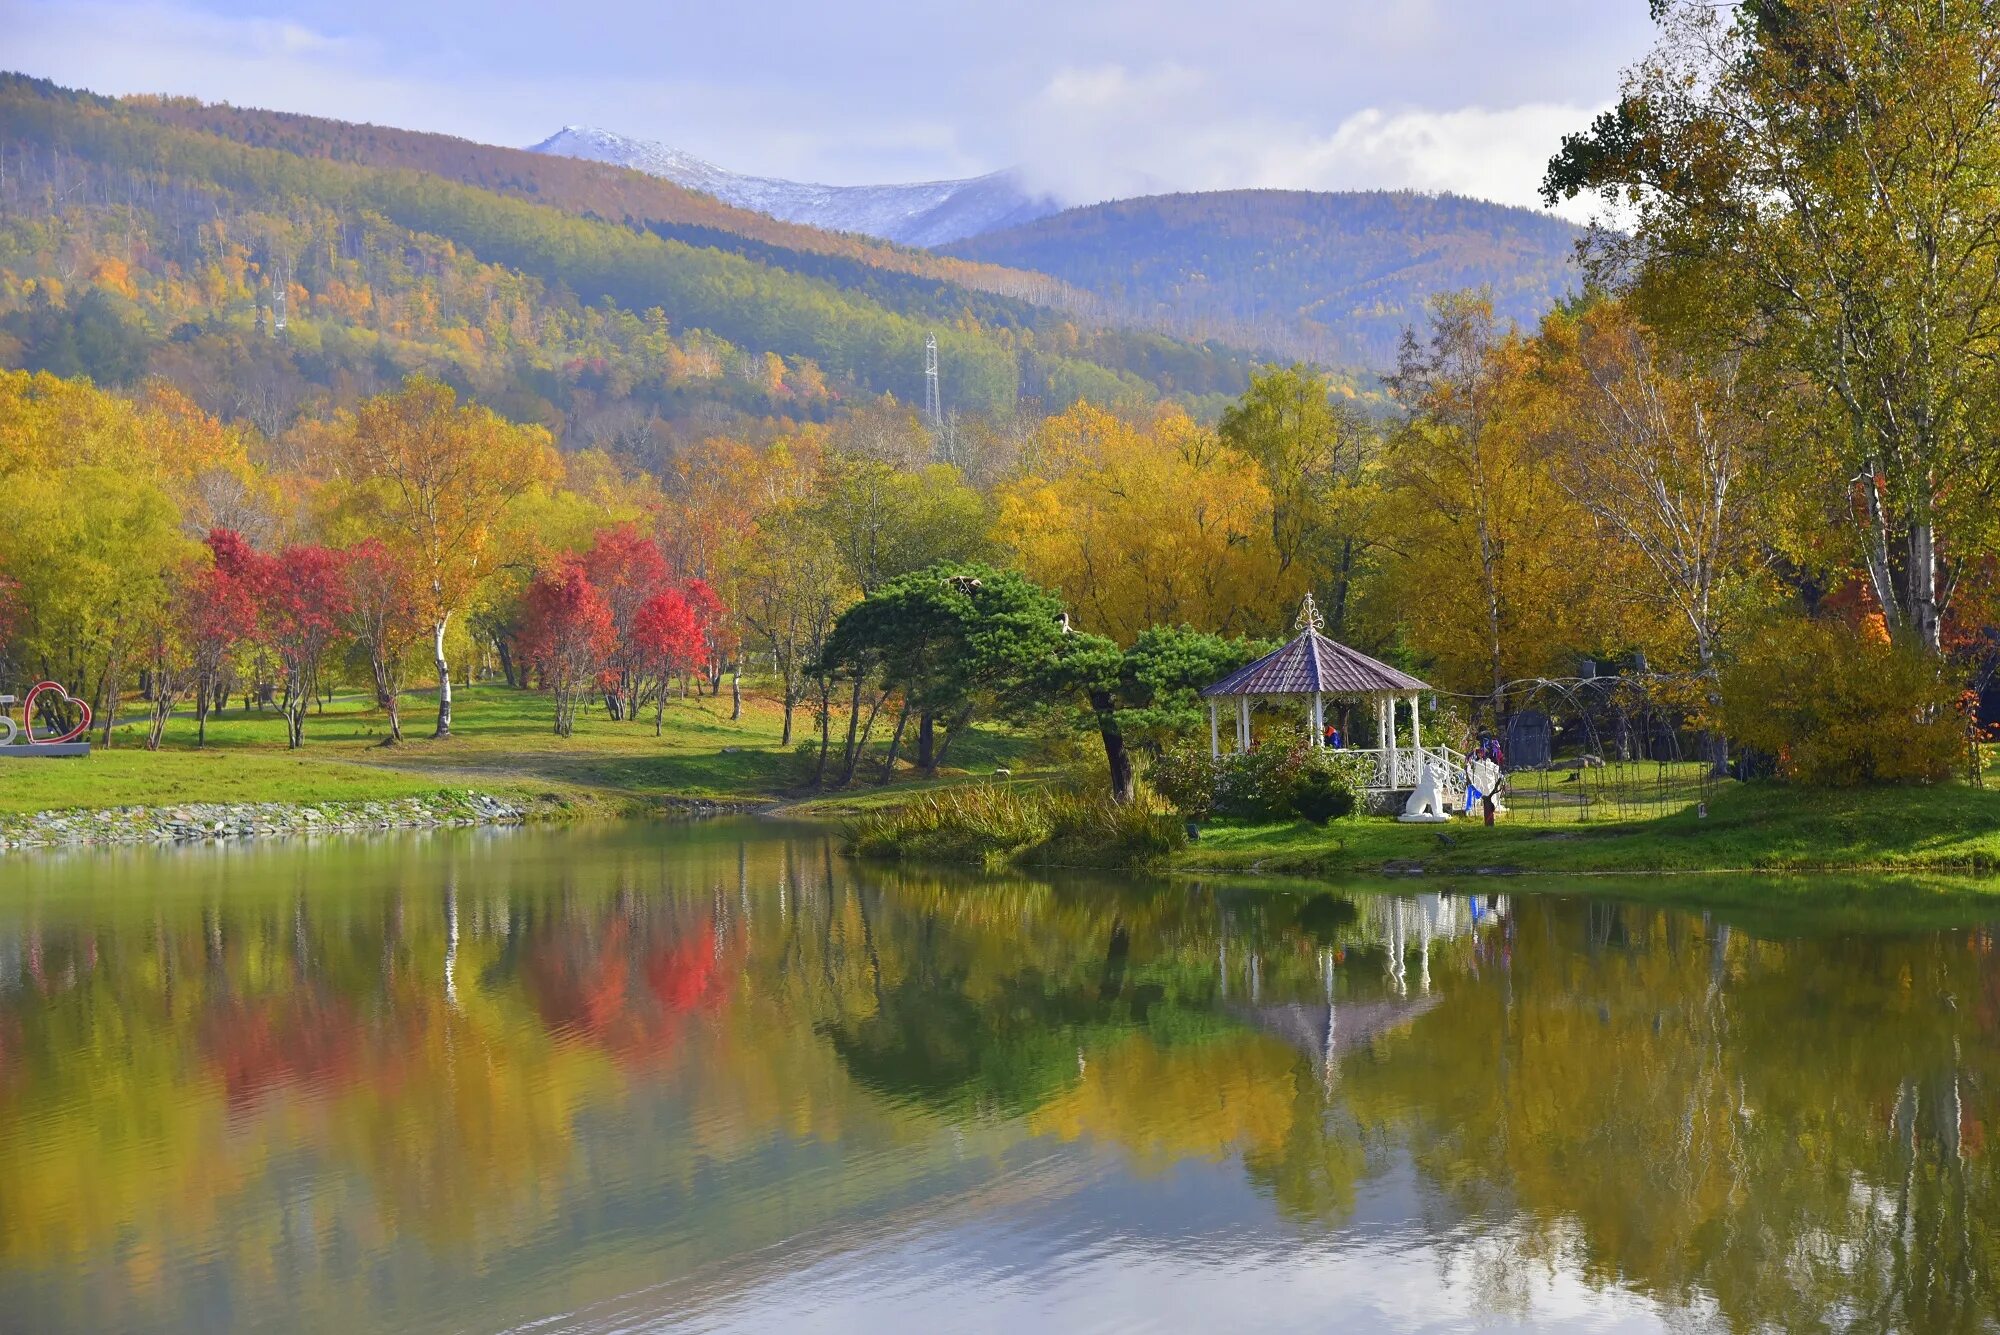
(715,1078)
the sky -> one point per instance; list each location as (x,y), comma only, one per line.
(1094,99)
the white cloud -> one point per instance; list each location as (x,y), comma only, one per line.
(1096,99)
(1106,131)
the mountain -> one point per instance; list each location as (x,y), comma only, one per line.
(275,267)
(926,213)
(1334,278)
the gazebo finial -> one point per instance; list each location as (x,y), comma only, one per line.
(1309,617)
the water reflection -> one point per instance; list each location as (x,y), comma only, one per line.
(719,1077)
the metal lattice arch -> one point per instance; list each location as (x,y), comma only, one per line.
(1309,671)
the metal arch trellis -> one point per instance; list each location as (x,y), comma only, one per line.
(1618,750)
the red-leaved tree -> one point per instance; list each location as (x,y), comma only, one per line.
(567,636)
(627,570)
(302,603)
(217,612)
(382,615)
(669,643)
(711,618)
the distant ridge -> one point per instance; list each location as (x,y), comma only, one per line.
(925,213)
(1335,278)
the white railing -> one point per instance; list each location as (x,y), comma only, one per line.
(1408,765)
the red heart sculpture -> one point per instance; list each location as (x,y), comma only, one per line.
(28,715)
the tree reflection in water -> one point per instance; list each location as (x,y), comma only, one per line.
(492,1077)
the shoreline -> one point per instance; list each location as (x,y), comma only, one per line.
(212,822)
(189,823)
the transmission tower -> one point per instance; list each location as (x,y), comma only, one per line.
(933,400)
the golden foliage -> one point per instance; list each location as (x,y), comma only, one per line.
(1143,523)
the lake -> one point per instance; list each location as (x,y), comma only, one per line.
(715,1078)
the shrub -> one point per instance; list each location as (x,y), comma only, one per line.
(1840,709)
(1319,795)
(1189,779)
(1257,785)
(1278,783)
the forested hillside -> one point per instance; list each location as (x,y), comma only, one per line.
(1335,278)
(265,281)
(592,188)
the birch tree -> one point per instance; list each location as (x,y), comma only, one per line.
(439,475)
(1817,184)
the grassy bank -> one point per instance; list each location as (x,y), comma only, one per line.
(502,744)
(1000,825)
(1753,827)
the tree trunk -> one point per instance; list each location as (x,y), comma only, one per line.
(1123,783)
(201,701)
(927,744)
(444,677)
(867,731)
(108,692)
(825,712)
(895,744)
(959,722)
(847,757)
(1925,623)
(163,705)
(791,706)
(506,659)
(385,698)
(735,692)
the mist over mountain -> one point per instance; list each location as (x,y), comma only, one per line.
(924,213)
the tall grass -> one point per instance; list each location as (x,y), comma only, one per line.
(995,825)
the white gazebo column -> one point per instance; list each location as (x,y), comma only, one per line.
(1319,720)
(1416,726)
(1242,724)
(1389,715)
(1214,732)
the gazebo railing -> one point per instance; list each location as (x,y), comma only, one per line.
(1408,765)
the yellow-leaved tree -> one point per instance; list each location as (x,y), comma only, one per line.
(1146,523)
(437,476)
(1494,574)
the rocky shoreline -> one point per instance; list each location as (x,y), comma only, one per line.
(202,822)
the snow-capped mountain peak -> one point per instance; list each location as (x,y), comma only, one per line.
(924,213)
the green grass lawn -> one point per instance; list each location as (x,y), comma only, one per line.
(502,743)
(1750,827)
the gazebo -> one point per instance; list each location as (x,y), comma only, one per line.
(1310,671)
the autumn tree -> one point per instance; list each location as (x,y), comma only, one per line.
(628,572)
(438,476)
(1483,578)
(1142,522)
(383,599)
(1818,184)
(1314,451)
(216,607)
(567,637)
(1655,447)
(666,642)
(302,602)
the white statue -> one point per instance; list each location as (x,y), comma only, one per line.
(1428,803)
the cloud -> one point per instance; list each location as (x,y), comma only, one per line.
(1108,131)
(1096,100)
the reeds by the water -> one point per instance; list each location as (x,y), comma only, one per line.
(999,825)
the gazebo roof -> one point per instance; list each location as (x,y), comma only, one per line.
(1313,663)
